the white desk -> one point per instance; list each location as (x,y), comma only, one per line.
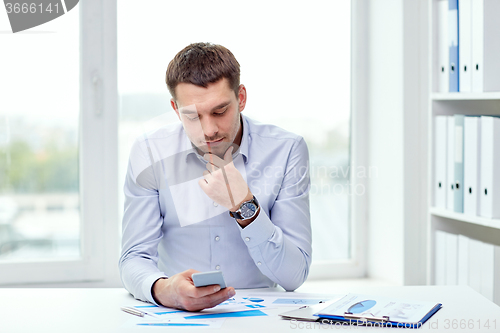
(98,310)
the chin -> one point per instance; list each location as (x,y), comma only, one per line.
(219,151)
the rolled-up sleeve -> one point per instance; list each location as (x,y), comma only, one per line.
(280,242)
(142,222)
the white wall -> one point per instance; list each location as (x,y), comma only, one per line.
(385,255)
(396,88)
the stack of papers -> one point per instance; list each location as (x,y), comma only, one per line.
(244,305)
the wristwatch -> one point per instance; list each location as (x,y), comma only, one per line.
(247,210)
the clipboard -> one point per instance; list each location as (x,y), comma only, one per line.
(355,311)
(364,310)
(306,313)
(383,321)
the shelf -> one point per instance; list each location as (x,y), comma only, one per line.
(465,96)
(491,223)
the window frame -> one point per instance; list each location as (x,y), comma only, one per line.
(98,150)
(355,266)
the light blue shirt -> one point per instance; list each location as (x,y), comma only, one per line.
(170,225)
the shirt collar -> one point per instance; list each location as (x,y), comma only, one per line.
(243,150)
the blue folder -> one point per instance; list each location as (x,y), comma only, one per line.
(458,200)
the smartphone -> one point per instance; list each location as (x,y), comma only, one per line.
(209,278)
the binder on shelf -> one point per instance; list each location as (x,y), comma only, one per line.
(453,44)
(487,259)
(477,46)
(465,42)
(450,161)
(472,162)
(440,258)
(490,167)
(458,200)
(440,187)
(485,45)
(496,276)
(463,261)
(475,253)
(451,259)
(443,74)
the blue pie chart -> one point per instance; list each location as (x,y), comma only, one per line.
(361,307)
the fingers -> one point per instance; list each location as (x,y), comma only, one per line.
(208,301)
(207,179)
(219,297)
(211,167)
(178,291)
(189,272)
(215,160)
(198,292)
(203,184)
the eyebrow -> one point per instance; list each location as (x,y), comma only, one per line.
(220,106)
(187,111)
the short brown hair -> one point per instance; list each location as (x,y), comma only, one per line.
(201,64)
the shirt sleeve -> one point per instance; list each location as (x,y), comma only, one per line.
(280,243)
(142,222)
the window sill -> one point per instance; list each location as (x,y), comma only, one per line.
(341,286)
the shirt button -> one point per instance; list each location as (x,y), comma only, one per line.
(247,239)
(216,204)
(217,238)
(217,267)
(259,263)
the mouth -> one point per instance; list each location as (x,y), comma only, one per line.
(214,143)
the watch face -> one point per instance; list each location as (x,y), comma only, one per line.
(248,210)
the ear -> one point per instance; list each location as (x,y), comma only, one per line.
(242,97)
(174,106)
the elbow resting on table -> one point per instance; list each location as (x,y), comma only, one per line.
(299,279)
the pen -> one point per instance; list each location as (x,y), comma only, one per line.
(136,312)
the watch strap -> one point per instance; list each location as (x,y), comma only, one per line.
(236,215)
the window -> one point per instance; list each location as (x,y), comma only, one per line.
(295,64)
(54,149)
(39,154)
(295,61)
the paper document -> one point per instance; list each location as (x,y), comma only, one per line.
(392,312)
(243,304)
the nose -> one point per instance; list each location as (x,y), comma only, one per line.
(209,127)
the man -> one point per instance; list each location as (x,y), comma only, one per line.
(218,191)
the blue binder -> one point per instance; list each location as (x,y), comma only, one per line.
(458,202)
(453,44)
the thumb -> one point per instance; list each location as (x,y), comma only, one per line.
(228,156)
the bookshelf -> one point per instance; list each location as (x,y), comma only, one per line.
(444,103)
(474,220)
(435,96)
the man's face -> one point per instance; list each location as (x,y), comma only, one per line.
(210,116)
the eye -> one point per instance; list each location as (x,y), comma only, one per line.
(192,118)
(221,113)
